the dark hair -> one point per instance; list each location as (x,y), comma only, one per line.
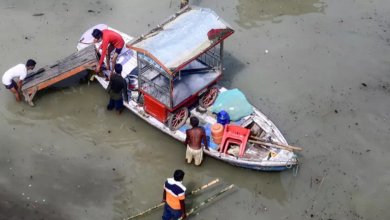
(30,62)
(118,68)
(178,175)
(194,121)
(97,34)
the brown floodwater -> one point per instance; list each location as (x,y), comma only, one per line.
(68,158)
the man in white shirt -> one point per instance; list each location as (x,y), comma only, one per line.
(19,71)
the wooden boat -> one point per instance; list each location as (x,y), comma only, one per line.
(178,54)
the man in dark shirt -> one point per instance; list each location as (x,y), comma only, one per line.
(116,88)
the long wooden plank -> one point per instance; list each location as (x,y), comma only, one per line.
(61,70)
(277,143)
(32,76)
(61,77)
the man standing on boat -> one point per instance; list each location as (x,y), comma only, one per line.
(19,71)
(173,197)
(116,88)
(193,141)
(111,40)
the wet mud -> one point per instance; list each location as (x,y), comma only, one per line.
(324,81)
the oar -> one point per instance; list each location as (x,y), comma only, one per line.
(270,145)
(208,200)
(277,143)
(162,204)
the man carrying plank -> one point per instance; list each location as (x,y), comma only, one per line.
(173,196)
(19,71)
(111,40)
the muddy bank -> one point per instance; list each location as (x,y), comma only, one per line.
(324,82)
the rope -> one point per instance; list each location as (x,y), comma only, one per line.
(289,165)
(295,170)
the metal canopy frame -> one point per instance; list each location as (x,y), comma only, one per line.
(156,30)
(210,58)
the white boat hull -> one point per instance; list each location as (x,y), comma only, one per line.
(281,161)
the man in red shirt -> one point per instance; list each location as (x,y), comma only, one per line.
(111,40)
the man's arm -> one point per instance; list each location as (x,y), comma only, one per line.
(183,209)
(19,84)
(164,196)
(186,141)
(205,140)
(104,46)
(124,90)
(109,86)
(21,78)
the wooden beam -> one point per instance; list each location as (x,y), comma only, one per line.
(61,77)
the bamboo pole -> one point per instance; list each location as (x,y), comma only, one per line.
(208,200)
(280,144)
(162,204)
(270,145)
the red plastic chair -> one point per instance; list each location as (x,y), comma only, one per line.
(234,134)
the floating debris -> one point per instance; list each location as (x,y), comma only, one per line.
(38,14)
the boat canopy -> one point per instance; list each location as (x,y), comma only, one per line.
(182,37)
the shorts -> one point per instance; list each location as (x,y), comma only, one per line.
(196,154)
(170,213)
(118,51)
(12,85)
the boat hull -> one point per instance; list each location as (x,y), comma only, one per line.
(283,159)
(261,165)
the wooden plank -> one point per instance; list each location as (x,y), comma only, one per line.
(67,66)
(59,78)
(30,102)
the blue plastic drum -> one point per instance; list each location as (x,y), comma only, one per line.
(223,118)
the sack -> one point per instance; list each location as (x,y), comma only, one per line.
(234,103)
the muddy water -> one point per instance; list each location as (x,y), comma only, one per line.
(84,162)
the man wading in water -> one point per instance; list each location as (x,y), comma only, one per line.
(194,138)
(116,88)
(19,71)
(173,197)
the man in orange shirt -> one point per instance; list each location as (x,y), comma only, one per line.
(111,40)
(173,196)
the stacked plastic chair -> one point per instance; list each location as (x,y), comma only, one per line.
(237,135)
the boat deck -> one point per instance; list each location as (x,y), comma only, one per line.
(252,151)
(62,69)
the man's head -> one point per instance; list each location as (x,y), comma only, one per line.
(30,64)
(178,175)
(194,121)
(118,68)
(97,34)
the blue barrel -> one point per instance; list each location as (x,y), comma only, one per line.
(223,118)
